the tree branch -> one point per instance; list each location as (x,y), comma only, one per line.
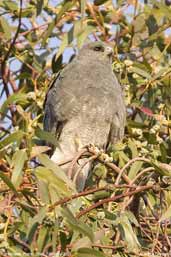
(112,199)
(3,67)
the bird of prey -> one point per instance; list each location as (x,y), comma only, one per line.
(85,106)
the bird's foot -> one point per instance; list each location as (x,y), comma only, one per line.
(100,153)
(94,149)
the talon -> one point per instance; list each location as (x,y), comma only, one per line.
(100,152)
(94,148)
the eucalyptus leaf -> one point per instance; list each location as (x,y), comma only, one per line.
(78,225)
(18,162)
(8,182)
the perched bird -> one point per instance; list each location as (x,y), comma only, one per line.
(85,106)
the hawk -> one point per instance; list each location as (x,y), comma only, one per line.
(85,106)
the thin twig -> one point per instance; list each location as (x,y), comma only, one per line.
(108,246)
(128,164)
(88,192)
(91,10)
(142,173)
(166,235)
(133,24)
(21,242)
(72,197)
(61,163)
(35,28)
(3,67)
(112,199)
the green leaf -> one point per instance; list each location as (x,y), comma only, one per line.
(84,33)
(48,32)
(56,193)
(12,138)
(5,27)
(42,238)
(87,252)
(155,53)
(141,72)
(136,166)
(31,233)
(166,215)
(65,7)
(152,24)
(63,240)
(39,6)
(77,31)
(10,5)
(44,191)
(133,147)
(31,210)
(38,218)
(100,170)
(18,162)
(85,242)
(77,225)
(161,72)
(128,235)
(65,42)
(36,150)
(135,124)
(99,2)
(132,218)
(19,98)
(53,181)
(28,12)
(27,193)
(57,63)
(100,195)
(163,169)
(47,136)
(8,182)
(83,4)
(81,243)
(58,172)
(56,234)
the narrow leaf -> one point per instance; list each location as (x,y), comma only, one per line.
(87,252)
(13,99)
(18,161)
(49,177)
(77,225)
(46,136)
(5,27)
(56,169)
(166,215)
(141,72)
(12,138)
(8,182)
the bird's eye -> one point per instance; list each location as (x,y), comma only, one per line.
(99,48)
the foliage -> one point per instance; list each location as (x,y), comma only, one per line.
(126,208)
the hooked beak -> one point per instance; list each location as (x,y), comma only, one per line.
(109,52)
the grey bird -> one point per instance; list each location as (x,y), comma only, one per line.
(85,106)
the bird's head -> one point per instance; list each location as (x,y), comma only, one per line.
(98,50)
